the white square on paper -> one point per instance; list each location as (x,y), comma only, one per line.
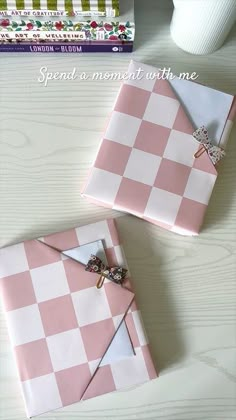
(120,256)
(95,232)
(25,325)
(13,260)
(41,395)
(200,185)
(103,186)
(117,320)
(143,82)
(93,365)
(161,110)
(49,281)
(123,128)
(181,148)
(163,206)
(91,306)
(138,322)
(142,167)
(66,349)
(131,371)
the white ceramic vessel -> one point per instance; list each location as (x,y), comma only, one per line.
(201,26)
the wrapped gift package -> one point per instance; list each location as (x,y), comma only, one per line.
(72,340)
(159,155)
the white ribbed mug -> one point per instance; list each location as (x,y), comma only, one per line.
(201,26)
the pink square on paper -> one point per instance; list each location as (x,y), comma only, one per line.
(72,383)
(39,254)
(113,157)
(117,303)
(132,196)
(63,240)
(182,122)
(113,232)
(190,216)
(132,101)
(132,330)
(148,362)
(91,335)
(17,291)
(33,359)
(77,277)
(152,138)
(58,315)
(163,87)
(172,176)
(102,383)
(204,163)
(232,113)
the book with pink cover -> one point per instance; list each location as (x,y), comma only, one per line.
(71,340)
(156,161)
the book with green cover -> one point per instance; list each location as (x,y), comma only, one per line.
(108,8)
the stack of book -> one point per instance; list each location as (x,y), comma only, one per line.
(67,25)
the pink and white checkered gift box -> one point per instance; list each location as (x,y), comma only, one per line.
(145,165)
(61,325)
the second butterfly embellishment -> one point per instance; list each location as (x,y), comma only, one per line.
(115,274)
(215,153)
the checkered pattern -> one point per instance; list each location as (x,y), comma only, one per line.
(146,165)
(61,325)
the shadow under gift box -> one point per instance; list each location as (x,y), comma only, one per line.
(146,163)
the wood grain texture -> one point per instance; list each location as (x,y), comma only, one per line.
(185,286)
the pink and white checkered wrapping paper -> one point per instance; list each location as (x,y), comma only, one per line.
(61,325)
(145,165)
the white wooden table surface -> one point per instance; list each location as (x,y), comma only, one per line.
(185,286)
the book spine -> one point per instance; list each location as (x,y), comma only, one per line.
(109,8)
(110,13)
(42,36)
(66,29)
(75,48)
